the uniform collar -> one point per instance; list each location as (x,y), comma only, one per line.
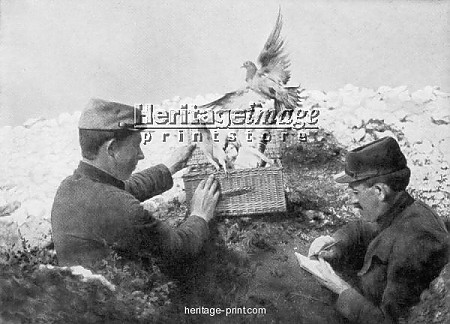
(99,175)
(398,205)
(381,245)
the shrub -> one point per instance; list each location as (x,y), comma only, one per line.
(32,291)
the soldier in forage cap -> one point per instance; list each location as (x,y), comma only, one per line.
(98,209)
(398,246)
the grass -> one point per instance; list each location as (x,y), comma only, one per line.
(246,262)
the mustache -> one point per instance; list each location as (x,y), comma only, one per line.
(358,206)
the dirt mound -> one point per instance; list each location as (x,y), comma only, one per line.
(434,306)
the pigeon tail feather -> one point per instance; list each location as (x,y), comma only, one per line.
(288,99)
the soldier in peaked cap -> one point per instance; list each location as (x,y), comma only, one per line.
(97,210)
(397,247)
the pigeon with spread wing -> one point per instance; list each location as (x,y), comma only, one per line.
(266,83)
(262,85)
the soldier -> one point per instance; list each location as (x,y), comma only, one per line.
(97,210)
(399,246)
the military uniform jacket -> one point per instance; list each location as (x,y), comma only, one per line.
(404,251)
(94,213)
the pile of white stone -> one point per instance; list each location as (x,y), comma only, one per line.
(36,156)
(420,121)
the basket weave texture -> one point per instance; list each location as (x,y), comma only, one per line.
(244,191)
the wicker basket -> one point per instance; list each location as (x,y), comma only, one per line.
(245,191)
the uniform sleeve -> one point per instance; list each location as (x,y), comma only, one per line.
(414,262)
(400,292)
(131,229)
(357,309)
(149,182)
(352,242)
(355,233)
(183,242)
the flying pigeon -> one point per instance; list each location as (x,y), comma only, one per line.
(266,83)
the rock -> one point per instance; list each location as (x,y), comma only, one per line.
(372,126)
(350,96)
(32,121)
(383,90)
(9,234)
(412,108)
(444,145)
(37,208)
(353,121)
(333,100)
(351,101)
(36,232)
(20,216)
(314,215)
(404,96)
(440,111)
(316,95)
(39,155)
(370,137)
(440,93)
(423,96)
(414,132)
(17,132)
(5,131)
(65,118)
(434,305)
(359,134)
(9,208)
(182,197)
(350,88)
(395,92)
(375,106)
(8,203)
(150,205)
(385,133)
(400,115)
(50,123)
(366,93)
(365,114)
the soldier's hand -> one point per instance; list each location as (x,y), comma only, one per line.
(330,279)
(205,198)
(178,160)
(323,246)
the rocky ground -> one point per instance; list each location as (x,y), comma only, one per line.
(249,260)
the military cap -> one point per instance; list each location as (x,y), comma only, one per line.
(377,158)
(109,116)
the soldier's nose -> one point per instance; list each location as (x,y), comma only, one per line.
(353,200)
(141,155)
(357,205)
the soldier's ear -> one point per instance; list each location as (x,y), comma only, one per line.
(382,191)
(111,147)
